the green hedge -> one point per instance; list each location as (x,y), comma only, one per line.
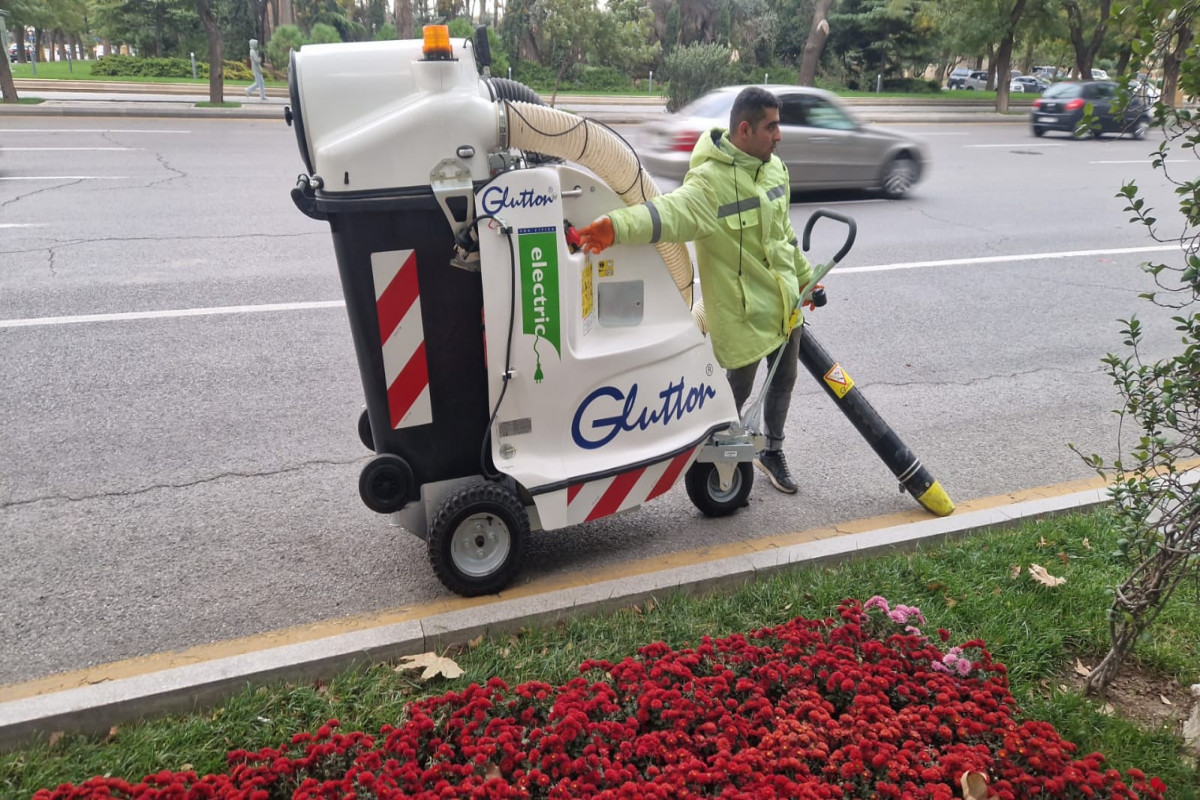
(134,67)
(911,85)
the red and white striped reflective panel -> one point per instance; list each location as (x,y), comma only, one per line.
(405,368)
(600,498)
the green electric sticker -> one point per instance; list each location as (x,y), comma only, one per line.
(539,289)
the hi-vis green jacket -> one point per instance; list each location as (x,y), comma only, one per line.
(735,208)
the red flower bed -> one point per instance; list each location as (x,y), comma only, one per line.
(811,709)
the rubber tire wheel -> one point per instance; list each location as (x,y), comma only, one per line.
(364,431)
(492,511)
(898,177)
(386,483)
(704,488)
(1039,131)
(1141,128)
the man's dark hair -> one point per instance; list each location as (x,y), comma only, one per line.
(751,106)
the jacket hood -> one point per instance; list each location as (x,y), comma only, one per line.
(714,145)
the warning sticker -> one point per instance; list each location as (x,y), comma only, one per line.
(839,381)
(606,268)
(587,299)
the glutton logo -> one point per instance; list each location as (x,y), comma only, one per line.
(607,412)
(539,290)
(498,198)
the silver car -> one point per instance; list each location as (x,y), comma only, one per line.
(823,145)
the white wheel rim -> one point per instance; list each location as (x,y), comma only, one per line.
(900,175)
(480,545)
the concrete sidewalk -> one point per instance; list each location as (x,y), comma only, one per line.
(122,99)
(93,700)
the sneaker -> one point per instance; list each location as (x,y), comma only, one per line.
(775,467)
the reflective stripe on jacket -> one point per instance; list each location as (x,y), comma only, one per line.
(735,208)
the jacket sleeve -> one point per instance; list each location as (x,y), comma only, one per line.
(684,215)
(804,271)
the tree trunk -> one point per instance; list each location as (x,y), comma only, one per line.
(1085,50)
(1183,36)
(404,19)
(216,64)
(1027,64)
(815,44)
(1004,56)
(7,88)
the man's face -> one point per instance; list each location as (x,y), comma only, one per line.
(760,140)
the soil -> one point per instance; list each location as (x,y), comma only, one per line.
(1150,700)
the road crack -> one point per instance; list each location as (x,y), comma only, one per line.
(184,485)
(8,203)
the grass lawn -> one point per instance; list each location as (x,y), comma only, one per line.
(976,588)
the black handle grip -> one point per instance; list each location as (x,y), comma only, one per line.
(483,49)
(833,215)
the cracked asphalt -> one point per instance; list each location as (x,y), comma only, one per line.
(176,481)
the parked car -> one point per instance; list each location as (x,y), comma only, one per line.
(957,76)
(1147,92)
(976,81)
(823,145)
(1061,108)
(1099,75)
(12,53)
(1028,83)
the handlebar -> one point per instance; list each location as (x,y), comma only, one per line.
(847,221)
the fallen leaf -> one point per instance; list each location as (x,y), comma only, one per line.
(1107,709)
(935,586)
(56,737)
(787,607)
(1166,702)
(1015,572)
(434,665)
(637,609)
(1045,578)
(974,786)
(1063,557)
(473,643)
(996,590)
(1080,669)
(504,652)
(1086,544)
(1062,687)
(187,768)
(112,733)
(1042,542)
(950,602)
(492,771)
(570,646)
(650,604)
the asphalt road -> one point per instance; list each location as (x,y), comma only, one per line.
(168,480)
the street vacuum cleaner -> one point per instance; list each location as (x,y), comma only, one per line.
(513,382)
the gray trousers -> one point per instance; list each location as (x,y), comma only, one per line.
(778,395)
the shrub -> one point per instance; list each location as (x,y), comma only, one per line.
(386,32)
(285,39)
(324,34)
(773,74)
(602,79)
(693,70)
(535,76)
(136,67)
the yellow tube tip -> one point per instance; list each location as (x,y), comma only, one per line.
(936,501)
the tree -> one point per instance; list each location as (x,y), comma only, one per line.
(1086,46)
(8,89)
(404,19)
(216,62)
(1154,507)
(153,27)
(1004,54)
(817,34)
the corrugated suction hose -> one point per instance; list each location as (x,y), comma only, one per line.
(548,130)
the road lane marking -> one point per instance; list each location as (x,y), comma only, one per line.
(843,202)
(168,314)
(63,177)
(86,130)
(1020,144)
(23,224)
(30,322)
(956,262)
(61,149)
